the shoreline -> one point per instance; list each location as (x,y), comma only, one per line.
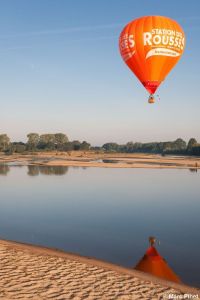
(103,160)
(54,272)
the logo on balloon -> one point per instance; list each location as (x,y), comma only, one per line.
(164,42)
(164,37)
(126,45)
(162,51)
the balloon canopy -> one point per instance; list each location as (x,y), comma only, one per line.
(151,46)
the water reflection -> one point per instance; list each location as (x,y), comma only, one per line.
(105,212)
(47,170)
(4,169)
(193,170)
(35,170)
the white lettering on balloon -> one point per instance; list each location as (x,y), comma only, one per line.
(164,37)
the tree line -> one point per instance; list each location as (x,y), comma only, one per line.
(43,142)
(60,142)
(179,146)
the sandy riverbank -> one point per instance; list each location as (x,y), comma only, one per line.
(31,272)
(103,160)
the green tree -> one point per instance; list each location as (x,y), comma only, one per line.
(68,147)
(166,147)
(85,146)
(76,145)
(4,142)
(19,147)
(111,147)
(196,149)
(60,140)
(47,141)
(180,145)
(33,140)
(129,147)
(192,142)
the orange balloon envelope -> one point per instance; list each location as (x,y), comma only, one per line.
(154,264)
(151,46)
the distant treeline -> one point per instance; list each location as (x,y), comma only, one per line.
(60,142)
(43,142)
(178,147)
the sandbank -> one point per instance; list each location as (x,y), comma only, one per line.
(33,272)
(103,160)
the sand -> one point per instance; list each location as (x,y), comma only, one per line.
(103,160)
(31,272)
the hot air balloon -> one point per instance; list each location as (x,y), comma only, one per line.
(151,46)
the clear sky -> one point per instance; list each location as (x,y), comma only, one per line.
(61,71)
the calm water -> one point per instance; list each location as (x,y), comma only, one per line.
(105,213)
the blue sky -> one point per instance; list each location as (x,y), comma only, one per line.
(61,71)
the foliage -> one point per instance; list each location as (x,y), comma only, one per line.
(111,147)
(196,150)
(4,142)
(85,146)
(191,144)
(33,140)
(60,142)
(16,147)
